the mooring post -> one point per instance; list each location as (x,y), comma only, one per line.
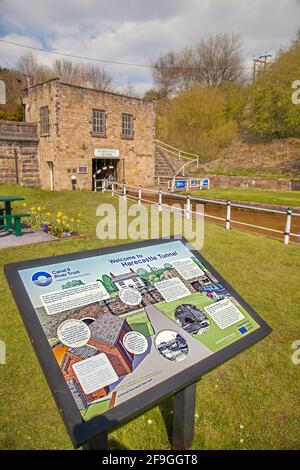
(228,215)
(288,223)
(99,442)
(159,200)
(184,417)
(113,188)
(188,206)
(140,195)
(172,185)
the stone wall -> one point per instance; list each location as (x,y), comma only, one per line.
(70,143)
(223,181)
(19,161)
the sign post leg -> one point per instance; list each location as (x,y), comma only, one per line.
(99,442)
(184,417)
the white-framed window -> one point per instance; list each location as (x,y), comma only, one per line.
(127,126)
(99,122)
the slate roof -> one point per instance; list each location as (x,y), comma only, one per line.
(84,351)
(107,328)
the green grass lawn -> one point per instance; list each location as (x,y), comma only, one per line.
(286,198)
(251,402)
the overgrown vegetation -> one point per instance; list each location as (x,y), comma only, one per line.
(202,112)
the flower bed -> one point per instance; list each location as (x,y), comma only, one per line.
(57,224)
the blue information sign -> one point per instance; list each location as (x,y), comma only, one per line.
(180,184)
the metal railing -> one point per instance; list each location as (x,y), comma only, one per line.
(123,189)
(180,154)
(191,183)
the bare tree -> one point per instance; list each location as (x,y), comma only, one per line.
(82,74)
(129,90)
(218,59)
(37,73)
(63,69)
(214,61)
(166,74)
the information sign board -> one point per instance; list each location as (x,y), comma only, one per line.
(118,329)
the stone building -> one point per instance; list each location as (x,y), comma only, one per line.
(83,132)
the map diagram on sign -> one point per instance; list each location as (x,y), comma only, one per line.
(119,324)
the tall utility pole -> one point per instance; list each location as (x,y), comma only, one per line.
(262,60)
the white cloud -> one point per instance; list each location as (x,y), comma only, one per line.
(139,30)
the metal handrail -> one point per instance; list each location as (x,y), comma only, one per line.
(161,143)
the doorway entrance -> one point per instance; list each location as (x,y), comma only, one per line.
(103,168)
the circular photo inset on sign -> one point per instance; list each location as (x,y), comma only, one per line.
(130,296)
(73,333)
(191,319)
(135,342)
(171,345)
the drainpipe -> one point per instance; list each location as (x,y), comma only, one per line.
(16,166)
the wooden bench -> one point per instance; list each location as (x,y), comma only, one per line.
(12,223)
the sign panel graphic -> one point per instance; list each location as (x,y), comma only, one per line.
(121,323)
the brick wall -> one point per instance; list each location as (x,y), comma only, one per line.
(70,143)
(19,161)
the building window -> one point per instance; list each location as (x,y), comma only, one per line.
(99,122)
(44,120)
(127,126)
(82,169)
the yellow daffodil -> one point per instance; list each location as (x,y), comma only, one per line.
(38,208)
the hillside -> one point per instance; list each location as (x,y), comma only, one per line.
(279,158)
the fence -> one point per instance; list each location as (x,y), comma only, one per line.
(189,183)
(157,198)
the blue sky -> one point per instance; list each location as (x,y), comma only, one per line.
(139,30)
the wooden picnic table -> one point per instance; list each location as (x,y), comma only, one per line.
(7,209)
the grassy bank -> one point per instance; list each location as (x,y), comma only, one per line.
(251,402)
(285,198)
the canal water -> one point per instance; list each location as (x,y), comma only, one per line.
(255,217)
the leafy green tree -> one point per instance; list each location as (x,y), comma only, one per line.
(168,266)
(196,121)
(108,283)
(270,112)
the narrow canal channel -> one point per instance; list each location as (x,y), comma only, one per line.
(272,220)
